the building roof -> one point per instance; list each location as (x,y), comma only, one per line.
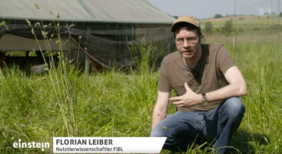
(105,11)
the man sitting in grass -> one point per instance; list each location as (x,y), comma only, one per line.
(207,83)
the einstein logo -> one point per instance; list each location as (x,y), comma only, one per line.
(30,145)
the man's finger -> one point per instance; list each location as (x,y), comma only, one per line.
(181,104)
(175,98)
(177,104)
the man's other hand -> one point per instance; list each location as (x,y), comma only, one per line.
(188,99)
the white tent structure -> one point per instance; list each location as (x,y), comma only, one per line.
(106,27)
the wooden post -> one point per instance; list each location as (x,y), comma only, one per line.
(234,37)
(234,43)
(87,60)
(279,27)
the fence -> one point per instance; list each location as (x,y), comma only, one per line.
(249,30)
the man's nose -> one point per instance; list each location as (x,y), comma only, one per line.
(186,43)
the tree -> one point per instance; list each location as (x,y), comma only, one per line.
(227,29)
(280,14)
(208,28)
(218,16)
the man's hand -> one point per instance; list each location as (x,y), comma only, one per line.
(188,99)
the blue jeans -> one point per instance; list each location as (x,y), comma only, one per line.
(218,125)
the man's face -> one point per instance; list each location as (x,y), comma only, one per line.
(187,42)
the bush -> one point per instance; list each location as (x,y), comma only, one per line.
(218,16)
(208,28)
(227,29)
(241,18)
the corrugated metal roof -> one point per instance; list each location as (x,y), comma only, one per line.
(114,11)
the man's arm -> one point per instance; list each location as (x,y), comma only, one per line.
(160,109)
(237,86)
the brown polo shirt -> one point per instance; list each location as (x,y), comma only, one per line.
(207,76)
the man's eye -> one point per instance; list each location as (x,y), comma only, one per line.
(192,38)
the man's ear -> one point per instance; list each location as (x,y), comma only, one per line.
(201,39)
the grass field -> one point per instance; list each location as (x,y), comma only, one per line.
(243,20)
(115,104)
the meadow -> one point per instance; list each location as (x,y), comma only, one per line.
(63,102)
(261,20)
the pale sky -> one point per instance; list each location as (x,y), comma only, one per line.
(208,8)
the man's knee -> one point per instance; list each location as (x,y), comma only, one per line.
(234,107)
(156,132)
(162,131)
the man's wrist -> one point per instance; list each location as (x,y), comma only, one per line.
(200,99)
(204,99)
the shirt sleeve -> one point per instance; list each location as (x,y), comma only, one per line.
(224,59)
(164,83)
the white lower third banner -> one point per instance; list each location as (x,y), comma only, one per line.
(108,144)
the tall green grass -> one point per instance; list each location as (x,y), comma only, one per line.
(262,122)
(66,103)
